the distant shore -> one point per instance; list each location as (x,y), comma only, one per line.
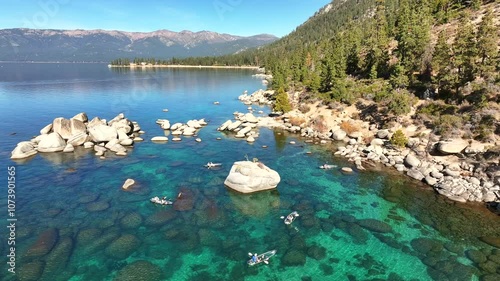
(185,66)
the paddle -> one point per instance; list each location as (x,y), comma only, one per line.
(266,262)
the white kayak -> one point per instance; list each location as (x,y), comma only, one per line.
(261,258)
(291,217)
(326,166)
(212,165)
(162,201)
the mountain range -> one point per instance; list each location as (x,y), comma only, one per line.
(21,44)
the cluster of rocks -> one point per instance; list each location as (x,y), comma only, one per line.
(66,134)
(179,129)
(265,77)
(243,126)
(448,170)
(260,96)
(452,179)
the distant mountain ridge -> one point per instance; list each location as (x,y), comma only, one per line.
(21,44)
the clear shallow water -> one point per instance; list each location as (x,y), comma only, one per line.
(370,225)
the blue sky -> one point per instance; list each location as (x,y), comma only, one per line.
(237,17)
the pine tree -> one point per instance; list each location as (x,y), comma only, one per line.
(398,79)
(376,58)
(442,63)
(465,52)
(413,35)
(282,104)
(487,38)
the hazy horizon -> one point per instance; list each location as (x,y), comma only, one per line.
(235,17)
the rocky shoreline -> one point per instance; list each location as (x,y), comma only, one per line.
(461,170)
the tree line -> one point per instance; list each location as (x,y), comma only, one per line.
(381,49)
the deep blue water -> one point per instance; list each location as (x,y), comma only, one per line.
(369,225)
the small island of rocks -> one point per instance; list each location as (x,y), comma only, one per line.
(63,135)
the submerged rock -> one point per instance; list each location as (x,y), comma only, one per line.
(31,271)
(294,258)
(140,270)
(97,206)
(131,220)
(58,258)
(426,245)
(122,247)
(248,177)
(85,236)
(375,225)
(43,244)
(160,217)
(493,241)
(316,252)
(185,200)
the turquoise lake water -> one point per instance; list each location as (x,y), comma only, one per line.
(71,210)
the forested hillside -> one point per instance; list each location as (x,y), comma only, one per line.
(383,39)
(392,52)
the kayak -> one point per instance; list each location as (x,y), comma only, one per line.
(212,165)
(327,167)
(291,217)
(262,258)
(157,200)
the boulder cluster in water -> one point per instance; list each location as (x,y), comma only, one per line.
(179,129)
(245,124)
(63,135)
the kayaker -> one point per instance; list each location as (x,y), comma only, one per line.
(254,258)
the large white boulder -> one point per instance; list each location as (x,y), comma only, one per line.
(339,134)
(225,125)
(234,125)
(175,126)
(82,116)
(189,131)
(249,117)
(452,146)
(122,124)
(165,124)
(159,139)
(45,130)
(244,131)
(95,121)
(102,133)
(68,148)
(68,127)
(122,135)
(23,149)
(78,139)
(51,143)
(412,161)
(193,124)
(248,177)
